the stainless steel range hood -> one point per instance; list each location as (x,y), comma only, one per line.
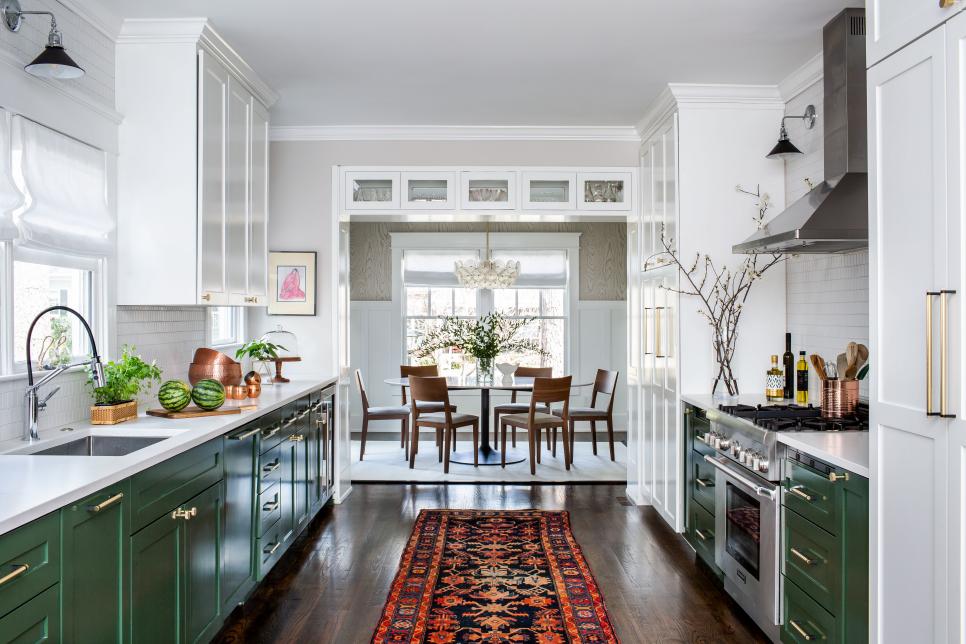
(834,216)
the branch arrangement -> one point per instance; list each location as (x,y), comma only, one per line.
(721,290)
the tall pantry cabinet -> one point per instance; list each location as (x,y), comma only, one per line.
(916,239)
(193,168)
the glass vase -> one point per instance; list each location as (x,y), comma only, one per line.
(484,370)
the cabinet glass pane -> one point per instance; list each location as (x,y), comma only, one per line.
(372,190)
(604,191)
(427,190)
(489,190)
(542,191)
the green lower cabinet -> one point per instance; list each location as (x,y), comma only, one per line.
(92,586)
(36,621)
(30,561)
(806,620)
(175,567)
(241,489)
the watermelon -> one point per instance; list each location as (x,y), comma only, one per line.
(174,395)
(208,394)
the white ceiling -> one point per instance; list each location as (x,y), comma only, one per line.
(500,62)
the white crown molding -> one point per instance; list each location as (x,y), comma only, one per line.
(802,78)
(95,15)
(452,133)
(180,31)
(705,96)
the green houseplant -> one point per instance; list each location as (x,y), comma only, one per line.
(125,378)
(261,353)
(484,339)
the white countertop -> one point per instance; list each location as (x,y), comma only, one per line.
(848,450)
(32,486)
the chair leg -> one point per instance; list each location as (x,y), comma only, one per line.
(568,453)
(548,439)
(454,439)
(402,438)
(365,432)
(610,436)
(573,426)
(533,453)
(553,450)
(405,436)
(476,444)
(593,435)
(539,440)
(503,446)
(439,442)
(412,449)
(514,435)
(446,440)
(496,429)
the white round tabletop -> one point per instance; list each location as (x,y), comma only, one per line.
(458,383)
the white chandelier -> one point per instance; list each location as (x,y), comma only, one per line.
(488,273)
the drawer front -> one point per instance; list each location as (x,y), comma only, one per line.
(271,435)
(29,561)
(36,621)
(702,485)
(805,620)
(269,508)
(812,495)
(270,468)
(156,491)
(811,559)
(701,530)
(270,549)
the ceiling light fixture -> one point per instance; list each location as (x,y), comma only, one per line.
(53,61)
(784,148)
(487,273)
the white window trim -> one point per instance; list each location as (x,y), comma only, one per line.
(401,242)
(240,323)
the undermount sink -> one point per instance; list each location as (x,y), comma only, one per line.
(101,446)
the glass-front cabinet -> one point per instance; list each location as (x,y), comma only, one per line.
(429,190)
(604,190)
(549,191)
(371,190)
(489,190)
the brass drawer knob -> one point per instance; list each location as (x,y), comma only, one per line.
(106,503)
(804,559)
(833,477)
(181,513)
(946,4)
(805,635)
(800,493)
(206,297)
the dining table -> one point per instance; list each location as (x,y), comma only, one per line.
(488,455)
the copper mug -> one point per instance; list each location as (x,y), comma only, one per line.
(254,390)
(236,392)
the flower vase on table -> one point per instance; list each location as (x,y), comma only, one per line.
(484,371)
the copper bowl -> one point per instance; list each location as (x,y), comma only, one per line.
(210,356)
(226,374)
(236,392)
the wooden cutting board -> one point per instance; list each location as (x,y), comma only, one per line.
(196,412)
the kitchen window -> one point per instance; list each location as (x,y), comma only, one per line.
(226,326)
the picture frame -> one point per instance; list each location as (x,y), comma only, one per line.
(291,282)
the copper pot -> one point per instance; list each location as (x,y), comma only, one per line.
(226,374)
(210,356)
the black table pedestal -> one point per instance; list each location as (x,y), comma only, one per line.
(487,454)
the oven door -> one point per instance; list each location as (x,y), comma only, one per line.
(746,540)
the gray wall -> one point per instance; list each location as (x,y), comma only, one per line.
(603,254)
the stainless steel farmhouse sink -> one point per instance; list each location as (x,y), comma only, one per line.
(101,446)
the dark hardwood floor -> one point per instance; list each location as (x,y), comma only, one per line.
(332,584)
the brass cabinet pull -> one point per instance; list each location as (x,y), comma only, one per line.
(808,637)
(244,435)
(268,433)
(704,483)
(799,492)
(206,297)
(929,296)
(658,339)
(833,477)
(270,549)
(271,467)
(943,350)
(946,4)
(251,300)
(290,421)
(805,560)
(181,513)
(270,506)
(106,503)
(700,535)
(19,569)
(296,438)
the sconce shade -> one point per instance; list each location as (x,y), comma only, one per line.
(53,62)
(784,148)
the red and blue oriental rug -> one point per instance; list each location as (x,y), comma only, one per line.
(493,577)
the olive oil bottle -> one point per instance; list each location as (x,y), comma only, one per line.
(775,382)
(801,371)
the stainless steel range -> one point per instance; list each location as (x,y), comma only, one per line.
(747,462)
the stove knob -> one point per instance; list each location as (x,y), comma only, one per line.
(763,465)
(755,461)
(736,449)
(725,444)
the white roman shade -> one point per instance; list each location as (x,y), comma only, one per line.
(434,268)
(65,182)
(10,196)
(538,268)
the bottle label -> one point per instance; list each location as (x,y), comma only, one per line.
(803,380)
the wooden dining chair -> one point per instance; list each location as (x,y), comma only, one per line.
(545,392)
(514,407)
(447,421)
(380,413)
(423,371)
(605,383)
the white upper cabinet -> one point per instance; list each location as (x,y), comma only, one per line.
(429,190)
(371,190)
(489,190)
(892,24)
(549,191)
(192,169)
(604,190)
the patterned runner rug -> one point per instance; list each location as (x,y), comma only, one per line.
(493,577)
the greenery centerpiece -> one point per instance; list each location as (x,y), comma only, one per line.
(260,352)
(484,339)
(124,379)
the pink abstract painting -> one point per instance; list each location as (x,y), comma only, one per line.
(291,283)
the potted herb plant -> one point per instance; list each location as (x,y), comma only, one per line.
(261,353)
(125,378)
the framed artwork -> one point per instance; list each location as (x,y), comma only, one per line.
(291,283)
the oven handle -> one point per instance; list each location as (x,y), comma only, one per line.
(759,490)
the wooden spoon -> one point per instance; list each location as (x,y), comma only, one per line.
(842,365)
(852,356)
(819,365)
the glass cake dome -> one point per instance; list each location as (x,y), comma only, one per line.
(283,338)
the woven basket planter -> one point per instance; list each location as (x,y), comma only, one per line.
(114,414)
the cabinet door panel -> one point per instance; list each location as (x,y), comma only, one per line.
(202,564)
(237,564)
(258,221)
(236,232)
(156,582)
(212,170)
(894,23)
(907,259)
(36,621)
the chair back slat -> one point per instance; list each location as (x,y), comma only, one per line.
(420,371)
(362,390)
(530,372)
(605,383)
(550,390)
(432,389)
